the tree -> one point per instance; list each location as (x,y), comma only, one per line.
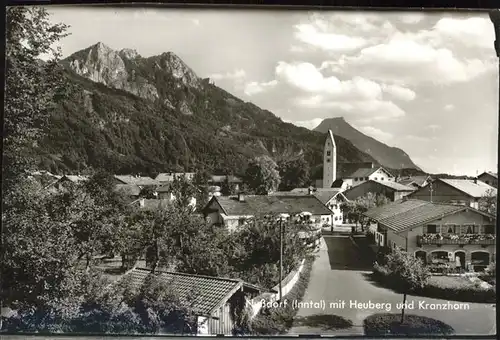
(32,86)
(406,272)
(31,254)
(227,188)
(294,173)
(262,175)
(488,202)
(355,210)
(148,193)
(183,190)
(367,202)
(256,256)
(201,180)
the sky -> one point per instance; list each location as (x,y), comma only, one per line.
(423,82)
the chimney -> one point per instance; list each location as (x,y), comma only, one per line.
(475,180)
(310,190)
(141,203)
(241,197)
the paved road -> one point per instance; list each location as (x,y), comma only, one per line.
(340,274)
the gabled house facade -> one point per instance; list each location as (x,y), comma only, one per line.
(365,174)
(440,234)
(233,211)
(392,190)
(331,198)
(454,191)
(167,177)
(490,178)
(141,181)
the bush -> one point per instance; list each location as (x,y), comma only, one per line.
(390,324)
(277,321)
(437,290)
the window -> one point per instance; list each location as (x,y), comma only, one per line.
(355,179)
(366,178)
(375,178)
(471,229)
(489,229)
(336,218)
(451,229)
(328,160)
(382,178)
(328,153)
(241,221)
(431,229)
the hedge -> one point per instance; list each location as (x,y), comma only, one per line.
(390,324)
(276,321)
(470,293)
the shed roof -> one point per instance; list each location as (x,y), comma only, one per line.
(406,214)
(210,292)
(269,204)
(473,189)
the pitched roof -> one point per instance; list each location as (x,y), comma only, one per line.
(406,214)
(137,180)
(209,292)
(346,169)
(393,208)
(420,180)
(363,172)
(469,187)
(323,194)
(128,189)
(407,181)
(169,176)
(392,185)
(262,204)
(493,174)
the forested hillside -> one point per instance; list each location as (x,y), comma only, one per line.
(129,114)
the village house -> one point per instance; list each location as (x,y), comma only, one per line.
(141,181)
(392,190)
(489,178)
(416,182)
(220,180)
(365,174)
(233,211)
(129,191)
(440,234)
(212,298)
(63,181)
(454,191)
(168,177)
(331,198)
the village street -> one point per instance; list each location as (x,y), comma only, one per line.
(340,274)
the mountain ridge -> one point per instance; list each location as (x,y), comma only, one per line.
(391,157)
(131,114)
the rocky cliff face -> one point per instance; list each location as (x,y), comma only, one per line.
(127,70)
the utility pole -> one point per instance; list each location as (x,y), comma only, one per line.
(430,189)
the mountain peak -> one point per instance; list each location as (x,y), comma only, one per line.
(129,53)
(391,157)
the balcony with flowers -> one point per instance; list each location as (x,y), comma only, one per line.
(458,239)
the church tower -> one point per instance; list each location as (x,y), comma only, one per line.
(329,161)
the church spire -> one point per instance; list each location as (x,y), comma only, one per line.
(329,161)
